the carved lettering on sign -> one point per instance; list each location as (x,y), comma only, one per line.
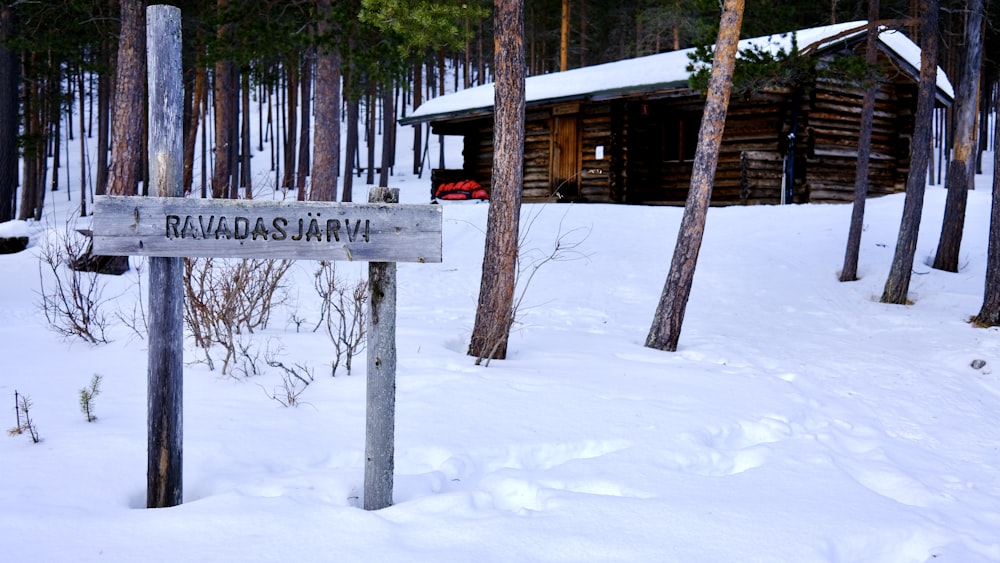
(309,228)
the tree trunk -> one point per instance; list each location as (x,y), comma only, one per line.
(898,283)
(494,314)
(564,38)
(222,86)
(29,188)
(9,83)
(481,59)
(83,145)
(961,171)
(418,84)
(246,173)
(353,117)
(54,118)
(388,134)
(222,96)
(191,134)
(850,270)
(326,150)
(305,125)
(676,31)
(370,134)
(129,101)
(292,129)
(989,314)
(666,328)
(103,125)
(234,132)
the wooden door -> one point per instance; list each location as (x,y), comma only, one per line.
(565,175)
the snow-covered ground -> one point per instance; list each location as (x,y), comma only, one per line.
(800,421)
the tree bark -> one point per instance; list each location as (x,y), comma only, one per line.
(305,122)
(850,270)
(191,134)
(418,85)
(326,149)
(564,38)
(246,175)
(30,182)
(961,171)
(494,313)
(666,328)
(129,100)
(104,95)
(9,83)
(225,116)
(351,150)
(292,129)
(370,133)
(989,314)
(388,134)
(898,283)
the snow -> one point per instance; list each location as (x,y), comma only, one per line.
(800,421)
(658,71)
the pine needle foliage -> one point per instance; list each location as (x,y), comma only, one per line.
(87,395)
(22,406)
(767,67)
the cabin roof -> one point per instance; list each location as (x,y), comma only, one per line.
(662,72)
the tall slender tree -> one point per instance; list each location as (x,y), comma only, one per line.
(129,100)
(564,37)
(494,314)
(305,123)
(223,93)
(666,328)
(326,145)
(961,171)
(989,314)
(9,86)
(898,283)
(850,270)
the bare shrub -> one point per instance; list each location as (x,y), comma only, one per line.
(565,248)
(343,312)
(73,302)
(135,318)
(294,380)
(227,299)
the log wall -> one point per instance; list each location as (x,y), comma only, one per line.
(642,160)
(831,136)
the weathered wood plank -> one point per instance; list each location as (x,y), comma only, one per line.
(165,369)
(267,229)
(380,417)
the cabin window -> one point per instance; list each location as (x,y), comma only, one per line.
(680,135)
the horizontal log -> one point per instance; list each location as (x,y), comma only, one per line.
(147,226)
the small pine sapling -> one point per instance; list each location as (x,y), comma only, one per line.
(87,395)
(22,406)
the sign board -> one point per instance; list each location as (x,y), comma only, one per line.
(172,226)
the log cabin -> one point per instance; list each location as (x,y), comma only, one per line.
(625,132)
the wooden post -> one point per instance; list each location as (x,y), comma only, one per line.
(166,296)
(381,407)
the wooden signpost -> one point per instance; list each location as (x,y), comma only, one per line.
(169,227)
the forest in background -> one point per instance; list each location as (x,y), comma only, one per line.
(349,66)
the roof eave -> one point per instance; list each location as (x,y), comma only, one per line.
(663,89)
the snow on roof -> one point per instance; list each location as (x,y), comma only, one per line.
(663,70)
